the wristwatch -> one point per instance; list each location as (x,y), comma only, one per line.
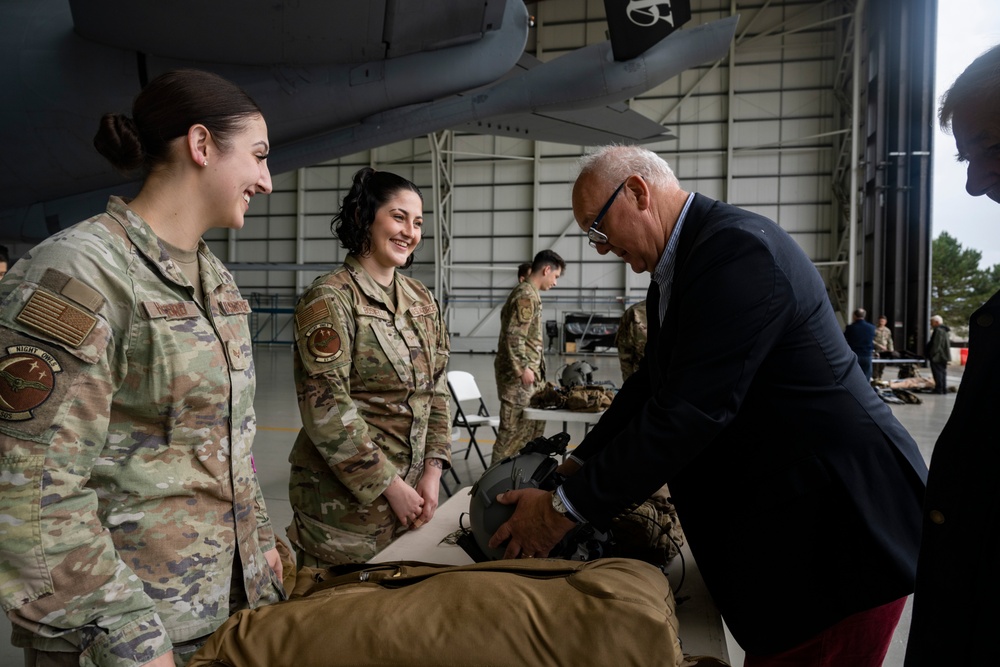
(559,506)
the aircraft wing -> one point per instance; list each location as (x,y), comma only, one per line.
(613,123)
(328,87)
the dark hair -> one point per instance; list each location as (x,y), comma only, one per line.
(4,254)
(547,258)
(523,270)
(166,109)
(369,192)
(979,84)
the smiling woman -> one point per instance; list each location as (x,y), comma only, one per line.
(126,400)
(370,361)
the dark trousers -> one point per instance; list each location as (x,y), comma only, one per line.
(865,361)
(939,369)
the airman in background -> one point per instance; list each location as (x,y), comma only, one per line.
(520,361)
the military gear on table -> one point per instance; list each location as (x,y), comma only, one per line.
(127,494)
(534,612)
(373,395)
(651,532)
(577,373)
(518,348)
(549,396)
(589,398)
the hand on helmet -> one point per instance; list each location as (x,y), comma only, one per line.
(534,529)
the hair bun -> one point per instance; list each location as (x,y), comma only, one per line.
(117,139)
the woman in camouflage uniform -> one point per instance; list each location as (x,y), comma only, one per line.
(133,522)
(371,355)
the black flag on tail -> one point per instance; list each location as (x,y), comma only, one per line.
(636,25)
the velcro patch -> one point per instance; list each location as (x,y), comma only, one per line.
(171,310)
(309,315)
(27,378)
(324,343)
(70,287)
(237,307)
(372,311)
(237,359)
(57,317)
(428,309)
(524,310)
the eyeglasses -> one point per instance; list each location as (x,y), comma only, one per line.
(595,236)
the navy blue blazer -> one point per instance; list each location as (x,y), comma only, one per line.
(955,609)
(799,492)
(860,336)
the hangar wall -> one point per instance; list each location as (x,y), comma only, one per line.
(777,127)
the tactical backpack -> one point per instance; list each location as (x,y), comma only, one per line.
(531,612)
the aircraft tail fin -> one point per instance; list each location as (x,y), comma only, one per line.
(636,25)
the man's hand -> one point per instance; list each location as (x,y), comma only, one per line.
(534,528)
(528,377)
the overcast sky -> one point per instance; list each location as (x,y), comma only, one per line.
(966,28)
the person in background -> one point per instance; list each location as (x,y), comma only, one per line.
(371,351)
(133,522)
(860,335)
(520,361)
(630,339)
(4,260)
(523,271)
(839,471)
(955,611)
(884,346)
(939,354)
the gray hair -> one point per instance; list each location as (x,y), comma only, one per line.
(979,84)
(937,318)
(617,162)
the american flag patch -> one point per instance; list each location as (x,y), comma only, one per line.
(58,318)
(316,311)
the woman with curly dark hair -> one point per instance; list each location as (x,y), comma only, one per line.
(370,360)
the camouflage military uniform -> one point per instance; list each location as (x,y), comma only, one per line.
(128,502)
(519,347)
(374,400)
(884,349)
(631,338)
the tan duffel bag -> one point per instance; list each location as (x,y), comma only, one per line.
(536,612)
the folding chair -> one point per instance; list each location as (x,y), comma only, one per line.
(464,388)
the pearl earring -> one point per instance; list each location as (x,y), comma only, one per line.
(205,163)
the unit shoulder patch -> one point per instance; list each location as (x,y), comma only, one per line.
(324,342)
(27,379)
(525,311)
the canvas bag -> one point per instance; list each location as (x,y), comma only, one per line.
(536,612)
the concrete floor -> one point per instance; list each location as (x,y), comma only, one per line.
(278,422)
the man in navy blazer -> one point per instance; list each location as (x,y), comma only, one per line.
(955,609)
(799,492)
(860,335)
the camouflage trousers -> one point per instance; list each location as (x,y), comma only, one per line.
(515,431)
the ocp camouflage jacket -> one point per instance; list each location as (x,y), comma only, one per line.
(127,494)
(374,400)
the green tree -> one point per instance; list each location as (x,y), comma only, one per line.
(958,285)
